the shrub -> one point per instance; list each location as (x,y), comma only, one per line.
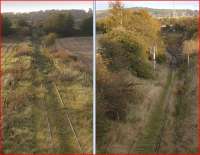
(113,92)
(49,39)
(142,69)
(161,58)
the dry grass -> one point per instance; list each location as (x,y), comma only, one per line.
(23,49)
(64,56)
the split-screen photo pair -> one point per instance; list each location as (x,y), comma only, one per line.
(99,77)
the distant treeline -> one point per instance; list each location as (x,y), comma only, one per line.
(62,23)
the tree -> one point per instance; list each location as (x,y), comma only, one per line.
(128,37)
(22,28)
(125,50)
(21,22)
(117,11)
(115,17)
(87,26)
(6,26)
(139,23)
(190,47)
(60,23)
(68,25)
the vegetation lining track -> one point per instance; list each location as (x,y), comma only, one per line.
(5,61)
(62,103)
(8,55)
(48,124)
(67,114)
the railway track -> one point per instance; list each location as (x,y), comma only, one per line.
(51,110)
(51,141)
(166,105)
(63,105)
(165,118)
(140,142)
(67,119)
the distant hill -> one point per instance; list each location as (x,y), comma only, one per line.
(158,13)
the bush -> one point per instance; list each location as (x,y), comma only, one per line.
(49,39)
(161,58)
(123,50)
(113,92)
(142,69)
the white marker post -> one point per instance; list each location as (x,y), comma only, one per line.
(154,58)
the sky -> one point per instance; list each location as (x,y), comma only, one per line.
(24,6)
(193,5)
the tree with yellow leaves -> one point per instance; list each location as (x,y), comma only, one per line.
(190,47)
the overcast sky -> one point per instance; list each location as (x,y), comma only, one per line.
(22,6)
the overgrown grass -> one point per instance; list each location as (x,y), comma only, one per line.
(147,140)
(186,97)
